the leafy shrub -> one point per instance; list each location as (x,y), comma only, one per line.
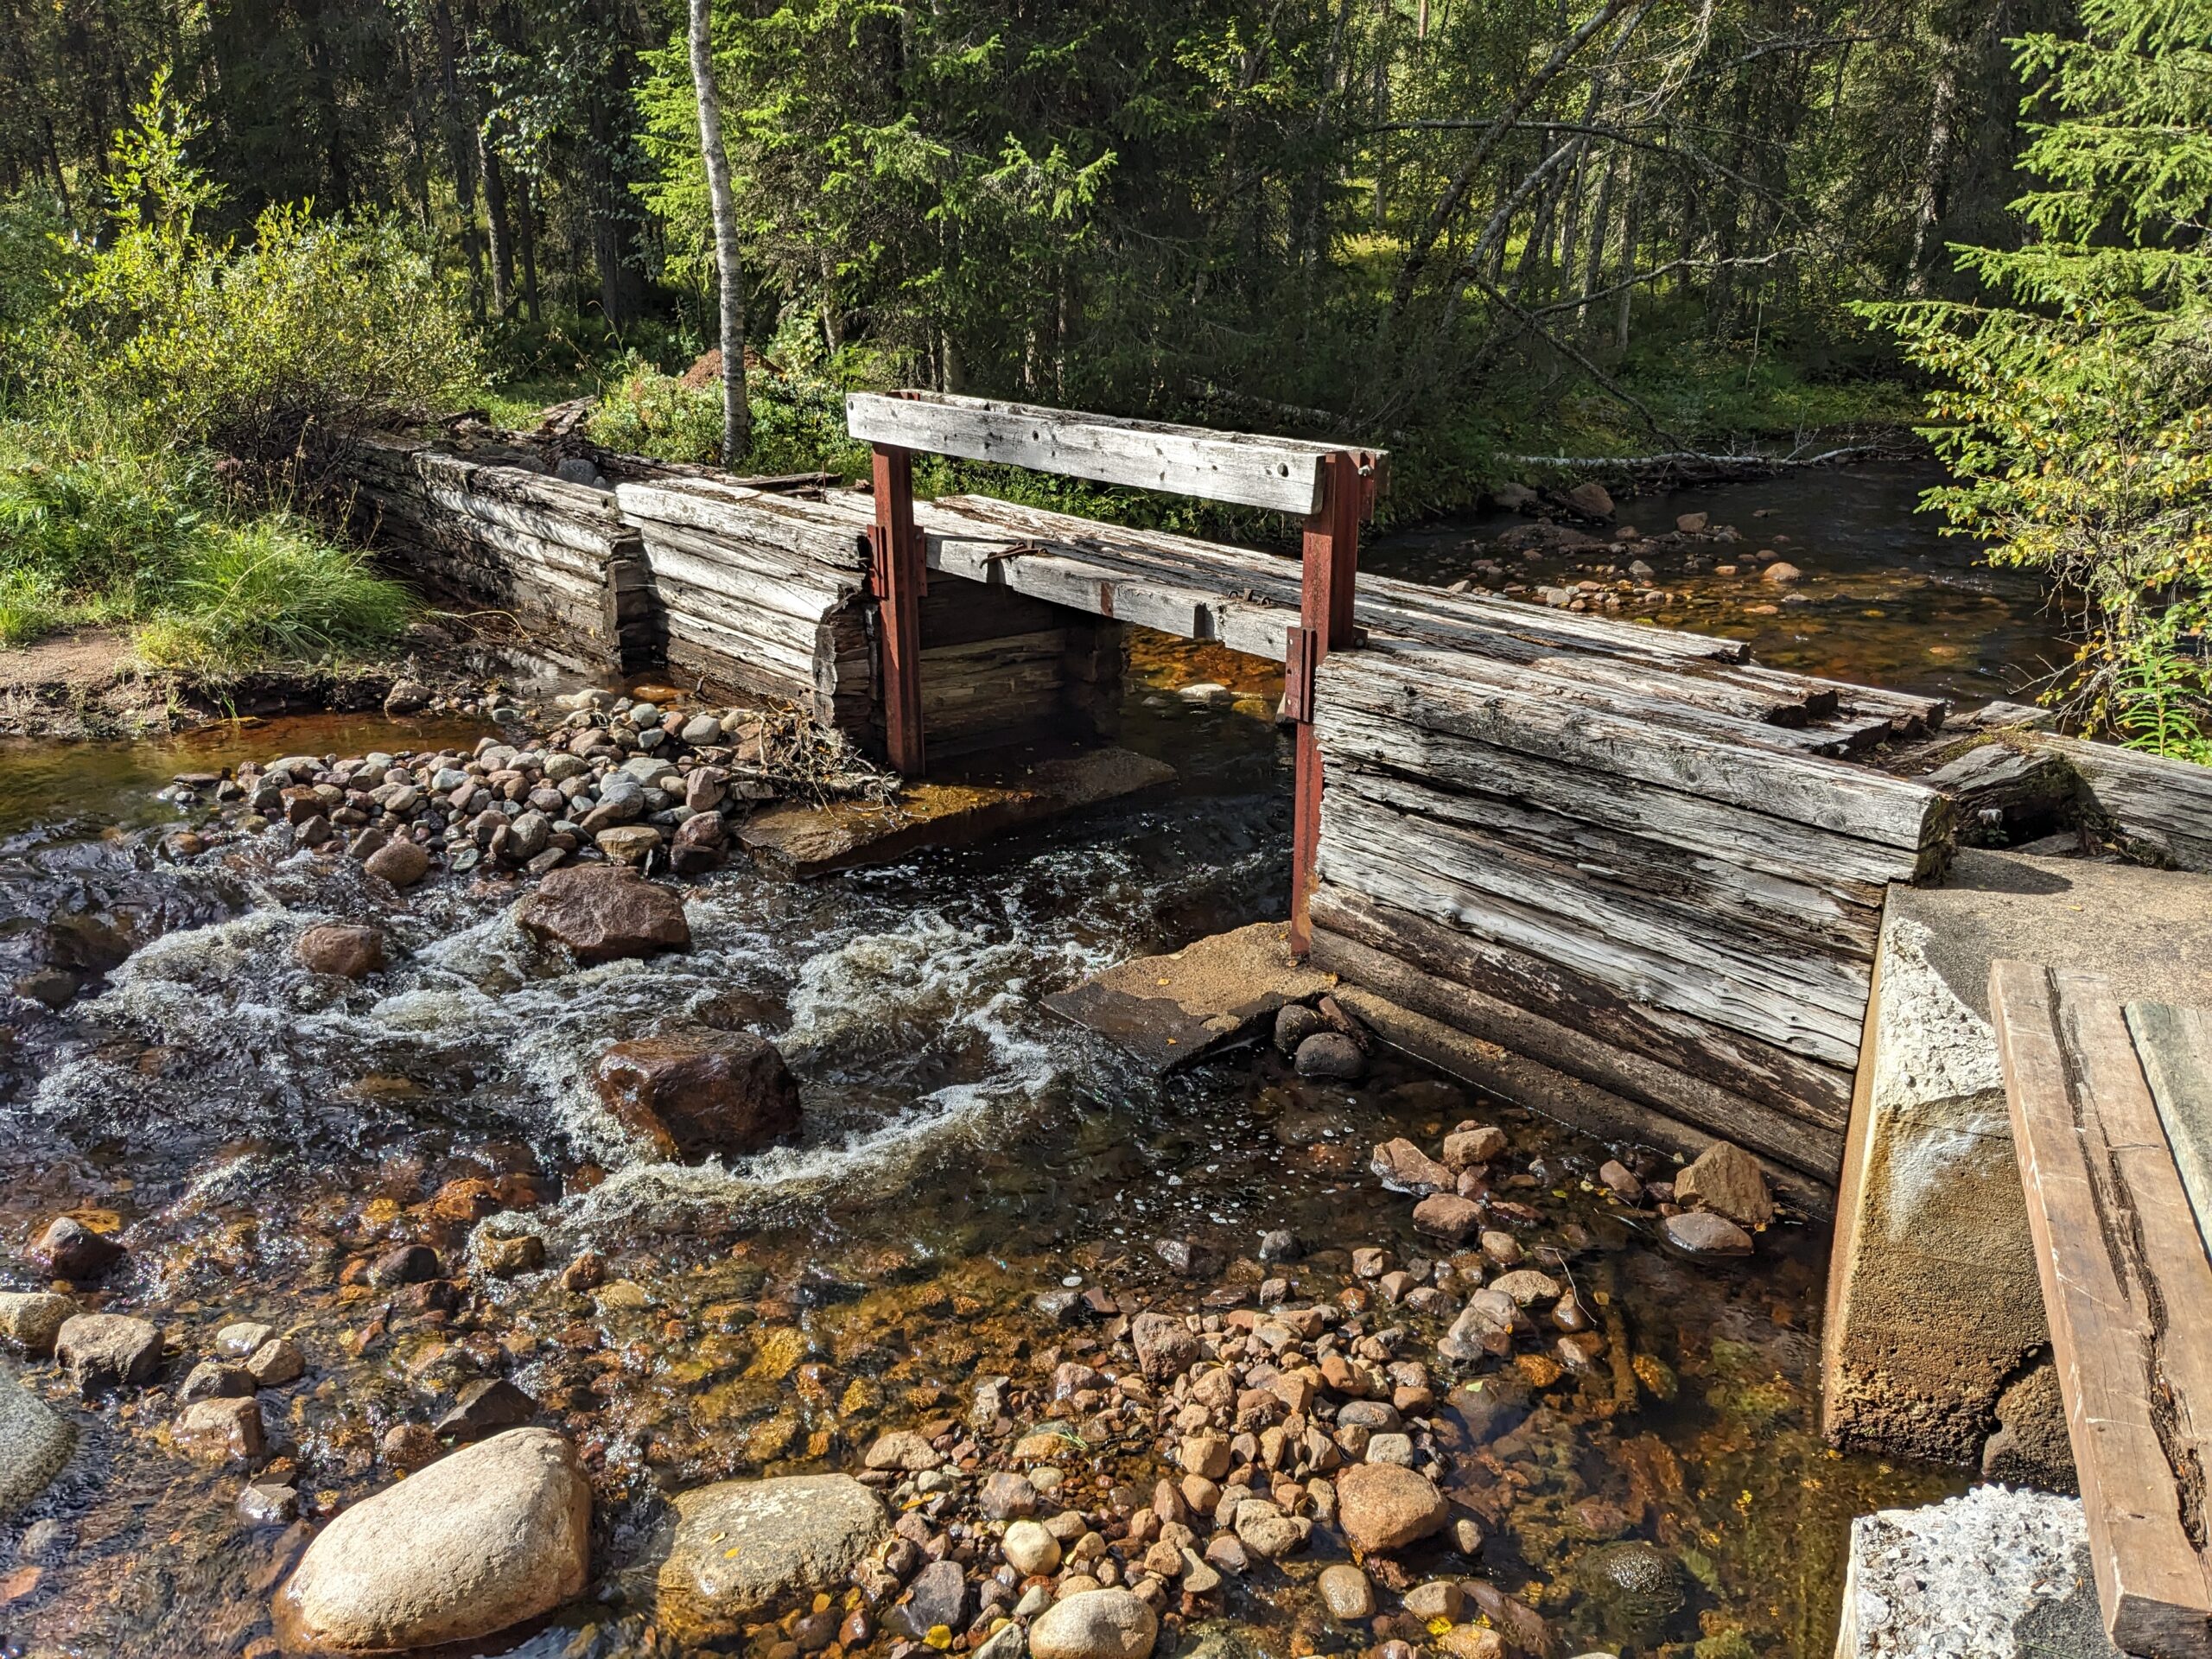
(2076,409)
(799,420)
(190,339)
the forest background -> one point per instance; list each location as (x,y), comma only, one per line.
(1474,230)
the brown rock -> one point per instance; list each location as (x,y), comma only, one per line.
(1447,1216)
(1727,1181)
(1164,1347)
(1465,1148)
(402,863)
(1782,573)
(694,1092)
(602,914)
(223,1429)
(341,948)
(69,1250)
(700,844)
(1381,1506)
(1700,1232)
(108,1351)
(1405,1166)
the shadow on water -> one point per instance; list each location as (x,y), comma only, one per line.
(258,1133)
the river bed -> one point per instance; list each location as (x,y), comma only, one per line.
(255,1132)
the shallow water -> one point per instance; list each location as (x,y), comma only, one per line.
(256,1132)
(1886,600)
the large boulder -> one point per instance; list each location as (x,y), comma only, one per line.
(34,1444)
(492,1536)
(747,1550)
(1095,1624)
(1382,1506)
(602,913)
(693,1092)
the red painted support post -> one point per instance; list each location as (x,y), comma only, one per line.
(899,576)
(1325,624)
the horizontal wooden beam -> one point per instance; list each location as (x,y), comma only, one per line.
(1283,474)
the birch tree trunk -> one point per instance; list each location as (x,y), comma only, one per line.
(737,414)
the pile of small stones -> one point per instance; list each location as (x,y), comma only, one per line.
(1173,1453)
(638,781)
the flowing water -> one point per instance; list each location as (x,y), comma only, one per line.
(256,1132)
(1886,599)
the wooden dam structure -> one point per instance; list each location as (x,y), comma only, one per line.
(1625,851)
(1633,858)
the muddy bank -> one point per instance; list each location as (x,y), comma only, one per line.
(89,684)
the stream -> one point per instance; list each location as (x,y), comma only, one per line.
(254,1131)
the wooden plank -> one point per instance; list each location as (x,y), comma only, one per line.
(1418,686)
(1729,1062)
(1809,1002)
(1803,907)
(1280,473)
(1385,604)
(798,529)
(1688,1101)
(1855,869)
(2175,1045)
(2127,1286)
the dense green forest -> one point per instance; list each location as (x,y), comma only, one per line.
(1476,230)
(1388,211)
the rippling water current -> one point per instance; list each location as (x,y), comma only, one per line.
(252,1129)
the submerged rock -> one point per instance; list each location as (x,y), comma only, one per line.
(34,1443)
(1382,1506)
(485,1539)
(695,1093)
(1639,1587)
(1700,1232)
(603,914)
(744,1550)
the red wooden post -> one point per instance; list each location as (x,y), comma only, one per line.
(897,574)
(1325,624)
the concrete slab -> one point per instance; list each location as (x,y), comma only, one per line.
(1935,1338)
(982,799)
(1174,1009)
(1995,1575)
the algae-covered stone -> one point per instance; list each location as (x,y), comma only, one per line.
(744,1550)
(33,1446)
(33,1318)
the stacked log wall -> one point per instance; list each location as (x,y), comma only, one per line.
(760,592)
(1683,915)
(554,556)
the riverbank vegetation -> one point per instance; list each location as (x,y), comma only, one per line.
(2074,400)
(1483,233)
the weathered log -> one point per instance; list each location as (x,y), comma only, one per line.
(1798,997)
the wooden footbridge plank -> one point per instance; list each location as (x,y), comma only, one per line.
(2128,1287)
